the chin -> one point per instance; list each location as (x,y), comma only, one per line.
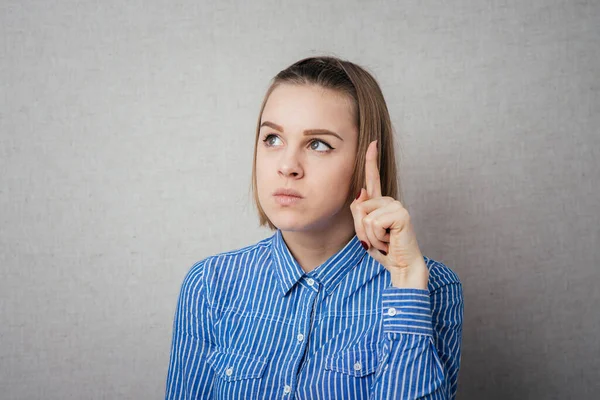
(300,223)
(288,224)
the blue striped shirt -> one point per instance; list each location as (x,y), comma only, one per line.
(251,324)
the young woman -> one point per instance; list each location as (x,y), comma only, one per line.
(339,303)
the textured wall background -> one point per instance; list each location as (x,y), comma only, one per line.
(125,152)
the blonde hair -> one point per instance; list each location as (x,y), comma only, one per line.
(372,118)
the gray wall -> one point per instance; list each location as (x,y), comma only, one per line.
(125,153)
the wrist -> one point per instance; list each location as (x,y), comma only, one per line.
(413,277)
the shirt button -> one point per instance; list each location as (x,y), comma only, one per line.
(392,311)
(300,337)
(310,281)
(357,366)
(229,371)
(287,389)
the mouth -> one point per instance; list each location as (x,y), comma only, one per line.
(287,192)
(286,200)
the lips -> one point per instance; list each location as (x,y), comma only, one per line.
(287,192)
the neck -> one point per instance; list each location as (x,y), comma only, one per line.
(312,248)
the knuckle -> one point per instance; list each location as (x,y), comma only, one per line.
(405,214)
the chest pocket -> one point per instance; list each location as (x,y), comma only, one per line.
(354,362)
(236,366)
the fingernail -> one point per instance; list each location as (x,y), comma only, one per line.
(366,246)
(383,252)
(358,195)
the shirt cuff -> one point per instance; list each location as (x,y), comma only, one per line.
(407,311)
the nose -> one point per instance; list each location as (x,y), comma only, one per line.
(289,165)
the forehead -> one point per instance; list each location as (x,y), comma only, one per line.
(299,107)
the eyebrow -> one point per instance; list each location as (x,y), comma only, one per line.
(307,132)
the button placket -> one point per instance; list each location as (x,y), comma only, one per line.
(306,325)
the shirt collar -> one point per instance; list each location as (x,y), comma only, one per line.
(328,274)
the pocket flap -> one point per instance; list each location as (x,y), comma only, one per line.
(353,362)
(232,366)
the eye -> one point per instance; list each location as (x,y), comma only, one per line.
(326,146)
(268,140)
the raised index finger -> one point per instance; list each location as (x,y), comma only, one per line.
(372,171)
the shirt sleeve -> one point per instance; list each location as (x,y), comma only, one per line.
(189,376)
(422,335)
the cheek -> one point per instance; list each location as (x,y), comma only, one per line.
(262,169)
(265,180)
(337,183)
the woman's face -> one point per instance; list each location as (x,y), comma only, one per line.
(307,142)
